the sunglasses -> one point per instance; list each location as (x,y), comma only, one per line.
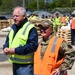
(44,29)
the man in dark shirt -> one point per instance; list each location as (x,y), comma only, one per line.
(21,43)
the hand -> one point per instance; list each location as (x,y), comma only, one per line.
(56,72)
(12,51)
(6,51)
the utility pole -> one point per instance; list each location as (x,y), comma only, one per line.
(46,4)
(24,3)
(37,5)
(71,5)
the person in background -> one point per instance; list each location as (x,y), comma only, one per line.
(52,20)
(63,20)
(67,18)
(55,56)
(21,43)
(72,24)
(43,16)
(56,23)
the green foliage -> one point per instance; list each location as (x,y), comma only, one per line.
(41,4)
(8,5)
(32,5)
(62,3)
(0,2)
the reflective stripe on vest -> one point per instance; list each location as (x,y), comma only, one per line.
(25,29)
(54,44)
(21,59)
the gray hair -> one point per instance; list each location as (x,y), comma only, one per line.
(23,11)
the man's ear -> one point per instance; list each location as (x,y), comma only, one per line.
(24,16)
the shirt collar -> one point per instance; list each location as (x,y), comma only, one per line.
(22,23)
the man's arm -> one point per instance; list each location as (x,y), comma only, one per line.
(69,57)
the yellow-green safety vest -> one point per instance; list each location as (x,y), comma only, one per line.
(20,39)
(57,21)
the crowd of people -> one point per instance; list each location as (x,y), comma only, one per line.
(51,56)
(58,21)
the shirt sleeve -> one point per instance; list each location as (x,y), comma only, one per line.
(69,57)
(6,43)
(70,22)
(31,45)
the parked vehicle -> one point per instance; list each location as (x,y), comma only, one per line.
(3,18)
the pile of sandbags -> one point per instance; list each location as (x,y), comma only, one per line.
(4,24)
(6,29)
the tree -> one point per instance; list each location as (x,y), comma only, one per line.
(32,5)
(0,2)
(6,4)
(17,3)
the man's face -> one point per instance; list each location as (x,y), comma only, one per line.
(17,16)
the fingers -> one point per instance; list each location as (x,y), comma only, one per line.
(6,51)
(56,72)
(12,51)
(9,51)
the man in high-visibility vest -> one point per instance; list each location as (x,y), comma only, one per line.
(21,43)
(54,56)
(56,23)
(72,24)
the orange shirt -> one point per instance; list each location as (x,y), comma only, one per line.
(63,19)
(73,23)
